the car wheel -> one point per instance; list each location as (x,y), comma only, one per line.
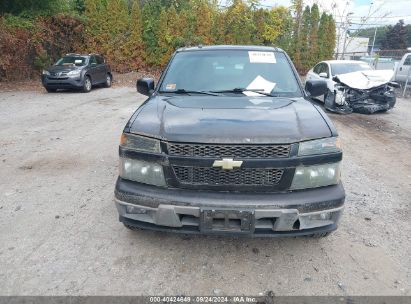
(87,84)
(109,80)
(51,90)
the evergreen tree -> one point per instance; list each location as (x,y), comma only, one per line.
(79,6)
(95,13)
(151,17)
(172,26)
(134,45)
(239,25)
(396,37)
(271,25)
(284,39)
(295,53)
(33,7)
(203,19)
(330,38)
(322,34)
(305,43)
(314,24)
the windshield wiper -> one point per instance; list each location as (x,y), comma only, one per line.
(242,90)
(184,91)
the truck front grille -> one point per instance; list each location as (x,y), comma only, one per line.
(238,151)
(219,177)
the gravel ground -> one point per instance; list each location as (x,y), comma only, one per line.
(61,235)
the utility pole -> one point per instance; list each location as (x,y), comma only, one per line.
(347,25)
(375,32)
(373,41)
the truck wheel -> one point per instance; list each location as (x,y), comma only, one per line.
(87,84)
(132,227)
(319,235)
(109,80)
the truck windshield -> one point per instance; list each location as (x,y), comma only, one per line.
(231,71)
(72,60)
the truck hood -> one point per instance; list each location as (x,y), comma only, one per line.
(229,119)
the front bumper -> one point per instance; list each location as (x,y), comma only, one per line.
(253,214)
(63,83)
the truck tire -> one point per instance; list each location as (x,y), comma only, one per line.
(87,84)
(51,90)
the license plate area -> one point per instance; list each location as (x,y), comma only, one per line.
(225,220)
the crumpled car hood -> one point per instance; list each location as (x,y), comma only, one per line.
(365,80)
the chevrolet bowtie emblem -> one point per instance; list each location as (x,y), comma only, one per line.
(228,163)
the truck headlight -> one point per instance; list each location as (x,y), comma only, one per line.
(45,72)
(139,143)
(316,176)
(74,73)
(142,171)
(320,146)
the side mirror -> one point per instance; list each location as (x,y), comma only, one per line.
(145,86)
(316,87)
(323,75)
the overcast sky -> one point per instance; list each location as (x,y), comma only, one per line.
(394,9)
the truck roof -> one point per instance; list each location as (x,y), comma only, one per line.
(230,47)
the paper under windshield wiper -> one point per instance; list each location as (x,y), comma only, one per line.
(184,91)
(242,90)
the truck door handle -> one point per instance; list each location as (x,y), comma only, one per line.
(400,68)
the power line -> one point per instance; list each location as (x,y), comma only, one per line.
(386,17)
(353,23)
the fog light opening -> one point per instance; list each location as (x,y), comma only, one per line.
(135,210)
(296,225)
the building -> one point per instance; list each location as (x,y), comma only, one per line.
(352,47)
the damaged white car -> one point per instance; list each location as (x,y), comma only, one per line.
(354,87)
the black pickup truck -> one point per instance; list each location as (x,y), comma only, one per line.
(228,142)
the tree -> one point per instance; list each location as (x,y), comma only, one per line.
(297,6)
(239,25)
(78,6)
(304,41)
(271,25)
(172,26)
(322,34)
(151,17)
(330,38)
(95,12)
(396,37)
(314,24)
(202,18)
(33,7)
(134,46)
(380,32)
